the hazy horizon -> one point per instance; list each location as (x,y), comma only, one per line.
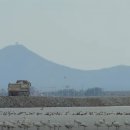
(79,34)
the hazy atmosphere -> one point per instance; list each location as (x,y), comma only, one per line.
(84,34)
(64,64)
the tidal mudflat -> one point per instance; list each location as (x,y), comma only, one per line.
(65,118)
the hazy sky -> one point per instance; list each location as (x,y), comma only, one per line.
(84,34)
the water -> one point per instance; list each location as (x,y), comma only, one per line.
(66,116)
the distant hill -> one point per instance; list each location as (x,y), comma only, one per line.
(18,62)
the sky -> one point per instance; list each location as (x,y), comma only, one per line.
(83,34)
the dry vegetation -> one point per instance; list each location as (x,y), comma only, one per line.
(63,102)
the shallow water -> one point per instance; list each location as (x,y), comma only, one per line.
(67,115)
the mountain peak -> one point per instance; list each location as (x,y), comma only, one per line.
(18,62)
(15,50)
(15,46)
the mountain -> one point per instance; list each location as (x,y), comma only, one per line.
(18,62)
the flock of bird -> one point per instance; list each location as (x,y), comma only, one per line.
(27,123)
(80,113)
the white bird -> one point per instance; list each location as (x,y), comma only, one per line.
(37,125)
(2,125)
(116,124)
(12,122)
(77,122)
(26,124)
(102,121)
(42,108)
(108,125)
(20,126)
(59,126)
(51,126)
(43,123)
(97,124)
(84,125)
(9,125)
(127,123)
(56,125)
(69,126)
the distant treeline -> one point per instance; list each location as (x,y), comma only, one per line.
(96,91)
(68,92)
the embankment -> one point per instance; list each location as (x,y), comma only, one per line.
(62,102)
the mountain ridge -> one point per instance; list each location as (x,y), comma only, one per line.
(18,62)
